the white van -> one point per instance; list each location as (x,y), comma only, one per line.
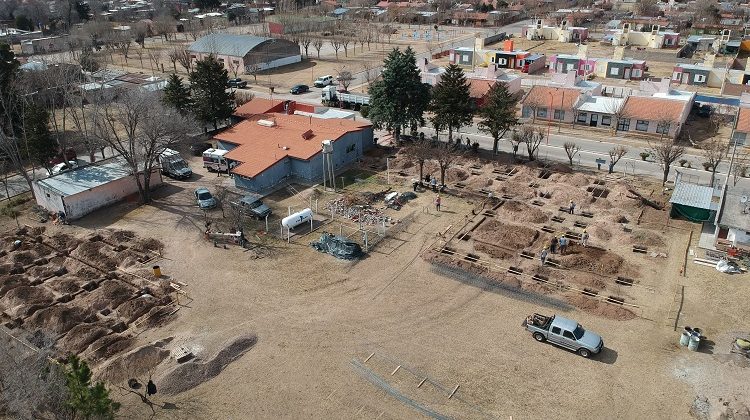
(323,81)
(213,160)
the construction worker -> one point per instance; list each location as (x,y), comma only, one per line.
(563,241)
(543,255)
(584,238)
(437,202)
(572,206)
(553,244)
(433,183)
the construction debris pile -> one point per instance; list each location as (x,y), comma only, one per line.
(338,246)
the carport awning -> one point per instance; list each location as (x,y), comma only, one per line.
(717,100)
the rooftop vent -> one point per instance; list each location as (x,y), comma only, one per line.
(267,123)
(307,135)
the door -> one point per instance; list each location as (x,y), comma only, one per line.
(594,120)
(685,78)
(723,232)
(569,340)
(555,335)
(627,74)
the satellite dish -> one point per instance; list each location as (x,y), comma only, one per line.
(743,199)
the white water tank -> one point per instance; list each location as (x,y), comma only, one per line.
(327,146)
(296,219)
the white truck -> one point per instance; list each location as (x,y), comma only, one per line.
(173,165)
(349,100)
(213,160)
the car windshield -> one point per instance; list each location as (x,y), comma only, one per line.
(253,204)
(204,195)
(179,164)
(578,332)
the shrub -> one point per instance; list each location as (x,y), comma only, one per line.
(645,155)
(364,110)
(682,162)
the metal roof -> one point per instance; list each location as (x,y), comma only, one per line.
(693,195)
(565,323)
(734,213)
(602,104)
(226,44)
(717,100)
(86,177)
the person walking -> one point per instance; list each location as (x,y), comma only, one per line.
(437,202)
(414,183)
(543,255)
(572,206)
(433,183)
(584,238)
(553,244)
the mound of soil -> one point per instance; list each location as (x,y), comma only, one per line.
(42,271)
(132,309)
(22,300)
(97,254)
(114,236)
(492,250)
(560,167)
(576,179)
(110,294)
(587,280)
(144,245)
(510,236)
(158,316)
(191,374)
(23,257)
(134,363)
(8,282)
(497,277)
(599,308)
(455,175)
(647,238)
(81,336)
(64,242)
(521,212)
(108,346)
(591,259)
(67,284)
(61,318)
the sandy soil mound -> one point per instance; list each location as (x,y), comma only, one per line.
(81,336)
(521,212)
(492,250)
(509,236)
(647,238)
(22,300)
(135,363)
(64,242)
(60,318)
(66,284)
(191,374)
(595,307)
(145,245)
(108,346)
(9,282)
(587,280)
(114,236)
(109,294)
(591,259)
(98,254)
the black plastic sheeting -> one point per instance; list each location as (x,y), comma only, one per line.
(338,246)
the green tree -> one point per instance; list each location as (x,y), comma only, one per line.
(177,95)
(208,4)
(209,86)
(8,96)
(83,10)
(23,23)
(399,98)
(40,145)
(451,103)
(498,113)
(84,399)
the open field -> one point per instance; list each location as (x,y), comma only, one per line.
(301,334)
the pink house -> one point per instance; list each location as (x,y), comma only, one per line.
(564,63)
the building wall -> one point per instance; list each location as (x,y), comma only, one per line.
(267,179)
(545,114)
(78,205)
(537,65)
(273,53)
(44,45)
(691,76)
(737,236)
(460,57)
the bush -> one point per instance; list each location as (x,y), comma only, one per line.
(364,110)
(645,155)
(475,147)
(682,162)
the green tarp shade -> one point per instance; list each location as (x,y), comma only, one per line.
(694,214)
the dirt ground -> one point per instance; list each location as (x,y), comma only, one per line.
(296,333)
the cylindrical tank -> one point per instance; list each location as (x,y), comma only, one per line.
(296,219)
(157,271)
(327,146)
(695,341)
(684,338)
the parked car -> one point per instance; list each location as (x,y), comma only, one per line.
(204,197)
(299,89)
(237,83)
(197,149)
(564,332)
(254,206)
(61,167)
(323,81)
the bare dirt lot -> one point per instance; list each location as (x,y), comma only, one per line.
(299,334)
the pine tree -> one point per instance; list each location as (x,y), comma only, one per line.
(84,399)
(498,113)
(9,68)
(40,145)
(177,95)
(451,102)
(399,98)
(209,86)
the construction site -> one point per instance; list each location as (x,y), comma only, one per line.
(426,322)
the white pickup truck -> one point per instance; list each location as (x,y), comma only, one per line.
(564,332)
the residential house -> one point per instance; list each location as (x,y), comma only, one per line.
(550,103)
(246,52)
(45,45)
(741,133)
(656,38)
(599,111)
(507,58)
(565,63)
(626,69)
(691,74)
(480,81)
(662,114)
(561,33)
(734,220)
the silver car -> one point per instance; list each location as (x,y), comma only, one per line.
(204,197)
(564,332)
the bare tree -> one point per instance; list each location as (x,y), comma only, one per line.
(174,56)
(165,26)
(446,155)
(317,43)
(532,139)
(183,57)
(241,97)
(713,152)
(140,32)
(571,149)
(139,54)
(367,70)
(253,69)
(345,41)
(155,57)
(305,40)
(516,138)
(139,127)
(344,77)
(335,44)
(615,154)
(666,151)
(740,166)
(419,151)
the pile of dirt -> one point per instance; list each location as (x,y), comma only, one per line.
(98,254)
(511,236)
(81,336)
(519,211)
(587,280)
(599,308)
(8,282)
(110,294)
(146,245)
(42,271)
(64,242)
(191,374)
(115,236)
(479,182)
(560,168)
(492,250)
(23,257)
(66,284)
(455,175)
(577,179)
(490,276)
(647,238)
(60,318)
(23,300)
(599,233)
(135,363)
(133,309)
(158,316)
(108,346)
(592,259)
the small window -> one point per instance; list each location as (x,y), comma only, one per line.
(568,334)
(676,75)
(556,330)
(47,195)
(582,117)
(527,112)
(699,78)
(636,73)
(641,125)
(559,114)
(571,66)
(614,71)
(587,67)
(466,57)
(623,124)
(662,128)
(541,112)
(606,120)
